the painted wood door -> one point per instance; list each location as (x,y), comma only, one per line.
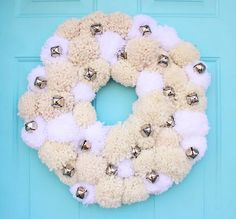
(29,191)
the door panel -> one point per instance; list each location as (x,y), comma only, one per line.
(29,191)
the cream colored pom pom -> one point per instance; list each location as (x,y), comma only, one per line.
(90,167)
(102,73)
(122,72)
(55,155)
(28,106)
(120,23)
(184,53)
(109,192)
(69,29)
(84,114)
(191,89)
(95,18)
(118,144)
(134,190)
(168,137)
(82,49)
(45,100)
(146,107)
(142,52)
(173,162)
(61,76)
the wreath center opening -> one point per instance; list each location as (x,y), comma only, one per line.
(114,102)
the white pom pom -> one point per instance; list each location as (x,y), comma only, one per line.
(188,123)
(36,72)
(125,168)
(63,128)
(198,142)
(110,43)
(147,82)
(203,79)
(83,92)
(36,138)
(96,135)
(167,36)
(140,20)
(90,194)
(54,41)
(162,184)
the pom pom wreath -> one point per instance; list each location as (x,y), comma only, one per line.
(201,79)
(155,147)
(148,81)
(109,51)
(35,138)
(142,20)
(189,123)
(90,194)
(55,49)
(36,72)
(83,92)
(63,128)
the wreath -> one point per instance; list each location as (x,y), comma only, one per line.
(160,141)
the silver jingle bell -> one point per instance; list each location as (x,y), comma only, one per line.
(85,145)
(199,68)
(145,30)
(111,169)
(90,74)
(169,91)
(152,176)
(170,123)
(135,151)
(56,51)
(163,60)
(146,130)
(121,54)
(68,170)
(40,82)
(31,126)
(58,101)
(192,98)
(192,152)
(81,192)
(96,29)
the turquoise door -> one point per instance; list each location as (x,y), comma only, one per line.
(29,191)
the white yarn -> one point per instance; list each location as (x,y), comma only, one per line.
(148,81)
(53,41)
(35,139)
(83,92)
